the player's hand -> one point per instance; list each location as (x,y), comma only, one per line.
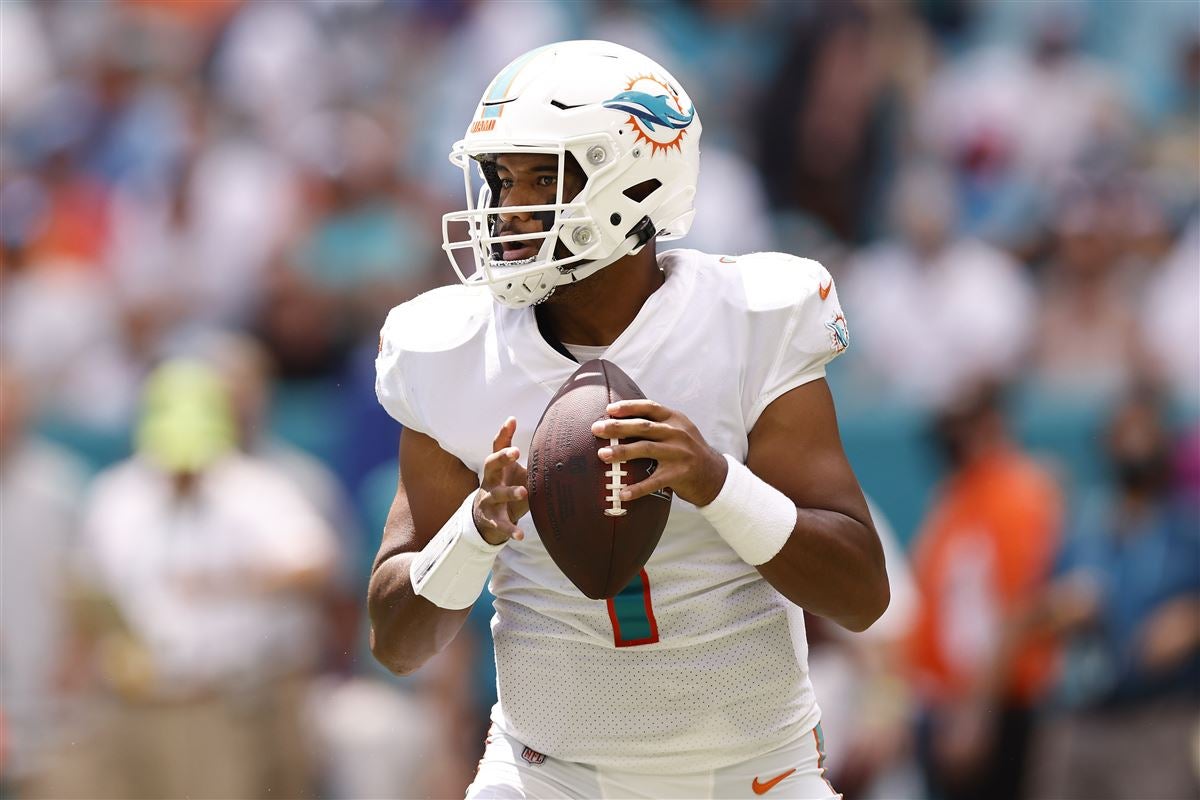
(686,462)
(502,498)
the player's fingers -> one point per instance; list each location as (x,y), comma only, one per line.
(516,475)
(490,508)
(640,408)
(494,465)
(507,494)
(646,448)
(492,521)
(661,479)
(504,528)
(631,428)
(505,437)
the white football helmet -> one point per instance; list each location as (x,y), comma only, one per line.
(625,121)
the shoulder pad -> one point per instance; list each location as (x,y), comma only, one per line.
(436,321)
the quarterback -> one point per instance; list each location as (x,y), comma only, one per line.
(581,156)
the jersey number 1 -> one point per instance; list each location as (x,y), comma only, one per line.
(632,614)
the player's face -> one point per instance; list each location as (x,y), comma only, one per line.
(525,180)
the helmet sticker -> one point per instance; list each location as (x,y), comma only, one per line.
(655,112)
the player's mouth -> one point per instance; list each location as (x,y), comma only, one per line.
(520,251)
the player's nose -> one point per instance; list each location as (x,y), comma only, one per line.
(523,193)
(514,216)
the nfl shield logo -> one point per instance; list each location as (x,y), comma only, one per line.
(532,756)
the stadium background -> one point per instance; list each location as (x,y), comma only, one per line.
(255,184)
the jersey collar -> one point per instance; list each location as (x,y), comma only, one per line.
(519,335)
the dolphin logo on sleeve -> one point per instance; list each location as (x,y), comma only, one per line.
(839,333)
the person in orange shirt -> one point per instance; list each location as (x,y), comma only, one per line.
(987,542)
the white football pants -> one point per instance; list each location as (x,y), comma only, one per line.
(511,771)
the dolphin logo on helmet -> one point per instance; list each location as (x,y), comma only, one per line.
(651,109)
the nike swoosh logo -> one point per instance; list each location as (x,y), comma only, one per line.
(766,786)
(727,260)
(823,290)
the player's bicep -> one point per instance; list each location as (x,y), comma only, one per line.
(431,486)
(795,447)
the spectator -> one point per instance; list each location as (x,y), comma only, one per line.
(823,124)
(1087,343)
(241,199)
(40,487)
(245,368)
(369,245)
(1126,603)
(1035,109)
(1172,152)
(986,544)
(207,558)
(1168,322)
(62,327)
(27,63)
(274,66)
(934,311)
(246,371)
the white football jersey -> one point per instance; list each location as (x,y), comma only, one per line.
(699,663)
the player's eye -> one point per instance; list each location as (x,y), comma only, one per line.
(547,180)
(506,184)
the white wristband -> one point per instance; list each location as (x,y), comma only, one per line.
(753,516)
(450,571)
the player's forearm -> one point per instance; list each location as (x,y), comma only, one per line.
(832,565)
(406,630)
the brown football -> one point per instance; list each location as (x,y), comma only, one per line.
(599,542)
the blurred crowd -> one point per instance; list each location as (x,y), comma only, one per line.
(208,206)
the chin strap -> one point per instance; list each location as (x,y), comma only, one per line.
(644,231)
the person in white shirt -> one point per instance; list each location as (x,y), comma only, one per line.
(589,153)
(208,559)
(40,487)
(937,310)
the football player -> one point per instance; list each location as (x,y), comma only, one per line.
(693,682)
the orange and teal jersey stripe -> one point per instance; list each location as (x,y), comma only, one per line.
(632,614)
(819,737)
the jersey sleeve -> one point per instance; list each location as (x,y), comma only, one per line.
(799,327)
(422,346)
(390,380)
